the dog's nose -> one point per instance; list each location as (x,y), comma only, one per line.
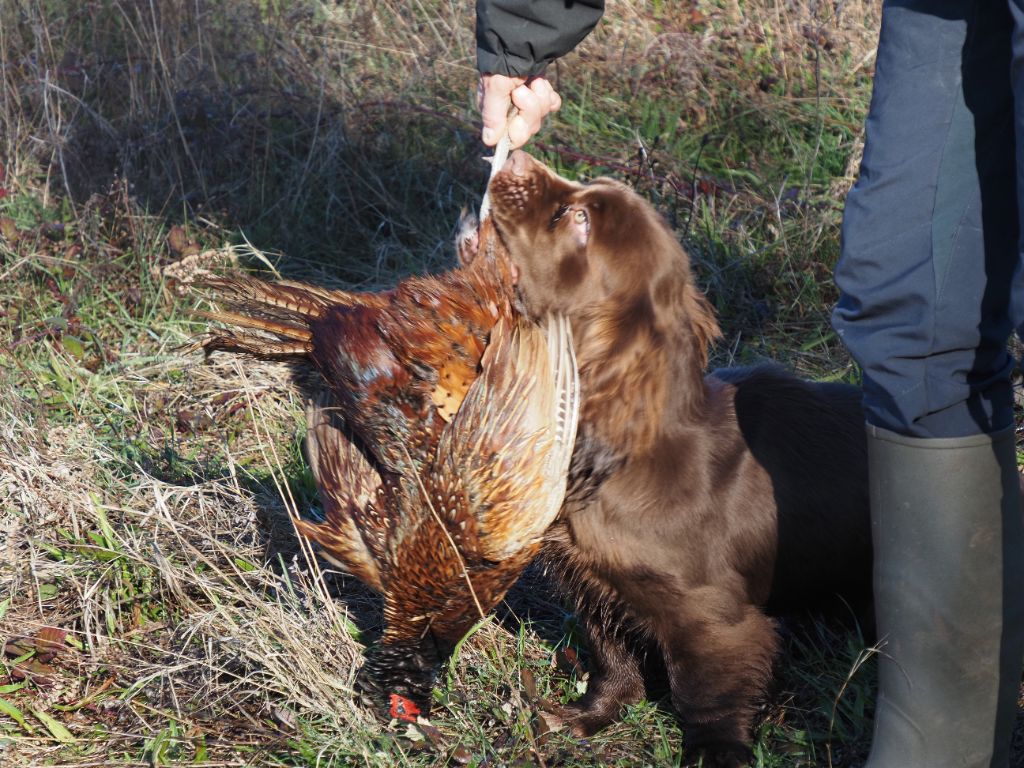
(517,163)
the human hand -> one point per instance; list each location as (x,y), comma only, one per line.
(533,97)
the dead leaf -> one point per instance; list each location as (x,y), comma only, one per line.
(284,718)
(36,672)
(50,639)
(529,682)
(431,733)
(567,662)
(177,239)
(19,646)
(8,229)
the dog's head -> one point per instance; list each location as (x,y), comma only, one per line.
(576,244)
(600,254)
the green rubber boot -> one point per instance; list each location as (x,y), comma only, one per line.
(949,598)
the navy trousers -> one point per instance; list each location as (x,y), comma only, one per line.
(929,270)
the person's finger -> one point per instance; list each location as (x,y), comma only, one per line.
(531,108)
(556,101)
(494,97)
(519,131)
(547,95)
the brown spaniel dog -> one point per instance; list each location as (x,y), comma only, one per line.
(699,505)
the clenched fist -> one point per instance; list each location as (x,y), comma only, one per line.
(533,97)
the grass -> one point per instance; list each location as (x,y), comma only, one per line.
(155,604)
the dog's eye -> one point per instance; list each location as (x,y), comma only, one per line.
(562,210)
(580,227)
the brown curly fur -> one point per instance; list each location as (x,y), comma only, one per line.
(698,504)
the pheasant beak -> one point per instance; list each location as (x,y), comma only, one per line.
(515,274)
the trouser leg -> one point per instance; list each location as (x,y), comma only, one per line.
(929,253)
(930,231)
(1017,88)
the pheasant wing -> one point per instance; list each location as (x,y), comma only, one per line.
(502,462)
(353,531)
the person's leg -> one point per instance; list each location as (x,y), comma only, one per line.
(929,248)
(1017,87)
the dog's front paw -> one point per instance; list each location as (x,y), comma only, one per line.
(583,719)
(718,754)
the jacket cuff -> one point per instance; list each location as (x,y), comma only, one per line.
(507,63)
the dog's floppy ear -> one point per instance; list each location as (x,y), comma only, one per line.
(683,310)
(622,363)
(643,348)
(705,324)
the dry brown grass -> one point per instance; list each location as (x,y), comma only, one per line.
(175,605)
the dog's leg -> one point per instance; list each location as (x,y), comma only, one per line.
(719,658)
(616,679)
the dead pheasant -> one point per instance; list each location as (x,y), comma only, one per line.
(440,442)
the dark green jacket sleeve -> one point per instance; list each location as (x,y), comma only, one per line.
(521,37)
